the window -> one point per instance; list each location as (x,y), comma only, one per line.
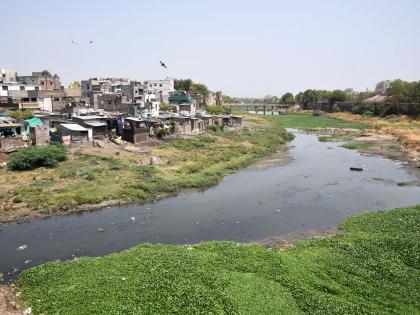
(33,99)
(42,82)
(22,88)
(50,83)
(4,87)
(37,88)
(160,85)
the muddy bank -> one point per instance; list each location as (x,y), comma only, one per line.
(372,142)
(8,301)
(405,129)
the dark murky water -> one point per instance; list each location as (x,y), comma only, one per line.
(315,190)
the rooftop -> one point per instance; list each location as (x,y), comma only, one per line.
(74,127)
(89,117)
(95,123)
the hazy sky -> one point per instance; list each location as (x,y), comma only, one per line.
(244,48)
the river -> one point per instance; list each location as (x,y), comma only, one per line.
(315,190)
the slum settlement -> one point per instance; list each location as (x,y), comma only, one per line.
(37,110)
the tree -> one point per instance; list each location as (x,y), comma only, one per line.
(288,99)
(382,87)
(45,73)
(338,96)
(201,89)
(298,97)
(309,97)
(183,85)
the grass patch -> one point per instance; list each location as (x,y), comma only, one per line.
(307,122)
(372,268)
(333,138)
(377,179)
(360,146)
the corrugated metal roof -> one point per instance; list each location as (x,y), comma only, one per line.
(90,117)
(74,127)
(95,123)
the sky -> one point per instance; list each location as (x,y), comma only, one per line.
(244,48)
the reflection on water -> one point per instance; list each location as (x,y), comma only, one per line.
(315,190)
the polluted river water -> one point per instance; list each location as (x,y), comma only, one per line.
(315,190)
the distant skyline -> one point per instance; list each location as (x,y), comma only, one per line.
(244,48)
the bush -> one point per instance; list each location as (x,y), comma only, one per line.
(317,113)
(218,110)
(161,132)
(364,109)
(22,115)
(31,158)
(167,107)
(336,108)
(215,128)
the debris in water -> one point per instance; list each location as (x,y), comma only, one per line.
(197,222)
(22,247)
(28,261)
(133,219)
(99,229)
(237,222)
(278,210)
(356,169)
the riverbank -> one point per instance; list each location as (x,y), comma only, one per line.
(371,267)
(404,129)
(92,178)
(396,137)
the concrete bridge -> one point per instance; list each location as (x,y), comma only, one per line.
(260,107)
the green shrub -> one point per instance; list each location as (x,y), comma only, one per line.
(167,107)
(215,128)
(34,157)
(161,132)
(22,115)
(17,200)
(336,108)
(218,110)
(364,109)
(317,113)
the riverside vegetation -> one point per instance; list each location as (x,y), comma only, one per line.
(94,178)
(372,267)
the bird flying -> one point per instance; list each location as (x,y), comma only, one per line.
(163,64)
(91,42)
(73,42)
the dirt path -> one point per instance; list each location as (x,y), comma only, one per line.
(8,304)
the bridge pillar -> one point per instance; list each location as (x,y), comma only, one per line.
(264,110)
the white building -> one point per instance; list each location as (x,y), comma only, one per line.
(151,104)
(8,75)
(163,87)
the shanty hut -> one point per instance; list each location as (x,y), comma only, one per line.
(74,133)
(135,130)
(98,124)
